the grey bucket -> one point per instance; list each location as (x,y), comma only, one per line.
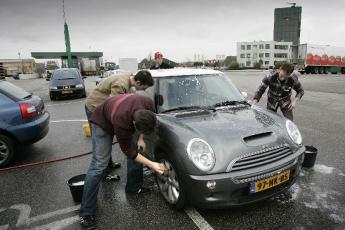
(76,185)
(309,156)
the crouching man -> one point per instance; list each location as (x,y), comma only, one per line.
(122,116)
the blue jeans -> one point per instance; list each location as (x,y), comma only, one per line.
(102,147)
(88,116)
(101,152)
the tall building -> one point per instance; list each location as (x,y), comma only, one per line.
(287,24)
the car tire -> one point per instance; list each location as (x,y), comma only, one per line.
(6,150)
(169,185)
(52,98)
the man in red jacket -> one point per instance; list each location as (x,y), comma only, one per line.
(122,116)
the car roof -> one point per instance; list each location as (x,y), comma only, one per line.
(181,72)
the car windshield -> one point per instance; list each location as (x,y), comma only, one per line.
(14,91)
(65,74)
(202,91)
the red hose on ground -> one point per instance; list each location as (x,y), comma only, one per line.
(46,161)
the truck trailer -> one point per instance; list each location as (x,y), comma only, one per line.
(88,67)
(320,59)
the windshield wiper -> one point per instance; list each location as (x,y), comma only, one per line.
(189,108)
(67,78)
(226,103)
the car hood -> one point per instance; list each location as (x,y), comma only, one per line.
(230,132)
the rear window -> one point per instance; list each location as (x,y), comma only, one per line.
(65,74)
(13,90)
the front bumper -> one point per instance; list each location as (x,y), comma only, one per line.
(66,92)
(231,191)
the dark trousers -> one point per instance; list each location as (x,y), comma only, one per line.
(286,112)
(134,176)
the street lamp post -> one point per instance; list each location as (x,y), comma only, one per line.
(21,60)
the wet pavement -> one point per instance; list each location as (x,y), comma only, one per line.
(38,197)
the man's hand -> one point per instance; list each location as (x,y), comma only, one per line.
(157,167)
(254,102)
(293,103)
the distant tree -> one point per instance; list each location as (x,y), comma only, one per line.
(198,63)
(257,65)
(216,64)
(277,64)
(234,65)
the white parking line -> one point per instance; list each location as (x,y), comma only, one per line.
(58,121)
(198,219)
(4,227)
(67,103)
(52,214)
(58,225)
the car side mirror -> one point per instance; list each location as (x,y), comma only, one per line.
(244,94)
(158,99)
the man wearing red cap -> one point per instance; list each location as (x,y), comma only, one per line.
(159,62)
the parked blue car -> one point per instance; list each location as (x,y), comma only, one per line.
(23,120)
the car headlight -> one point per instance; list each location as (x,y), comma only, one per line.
(201,154)
(79,86)
(53,87)
(293,132)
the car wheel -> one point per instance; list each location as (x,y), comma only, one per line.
(52,97)
(170,187)
(6,150)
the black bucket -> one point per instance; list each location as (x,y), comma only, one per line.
(309,156)
(76,185)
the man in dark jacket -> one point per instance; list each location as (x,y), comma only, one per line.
(280,85)
(159,62)
(122,116)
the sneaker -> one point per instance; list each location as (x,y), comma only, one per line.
(88,222)
(113,165)
(142,190)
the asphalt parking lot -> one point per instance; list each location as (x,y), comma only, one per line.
(38,197)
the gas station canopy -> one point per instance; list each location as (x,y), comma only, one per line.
(61,55)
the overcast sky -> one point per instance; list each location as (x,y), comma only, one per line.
(177,28)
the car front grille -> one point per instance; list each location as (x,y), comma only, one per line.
(259,158)
(66,87)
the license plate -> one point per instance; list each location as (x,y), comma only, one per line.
(268,183)
(67,92)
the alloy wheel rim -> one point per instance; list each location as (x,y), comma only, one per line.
(4,151)
(168,184)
